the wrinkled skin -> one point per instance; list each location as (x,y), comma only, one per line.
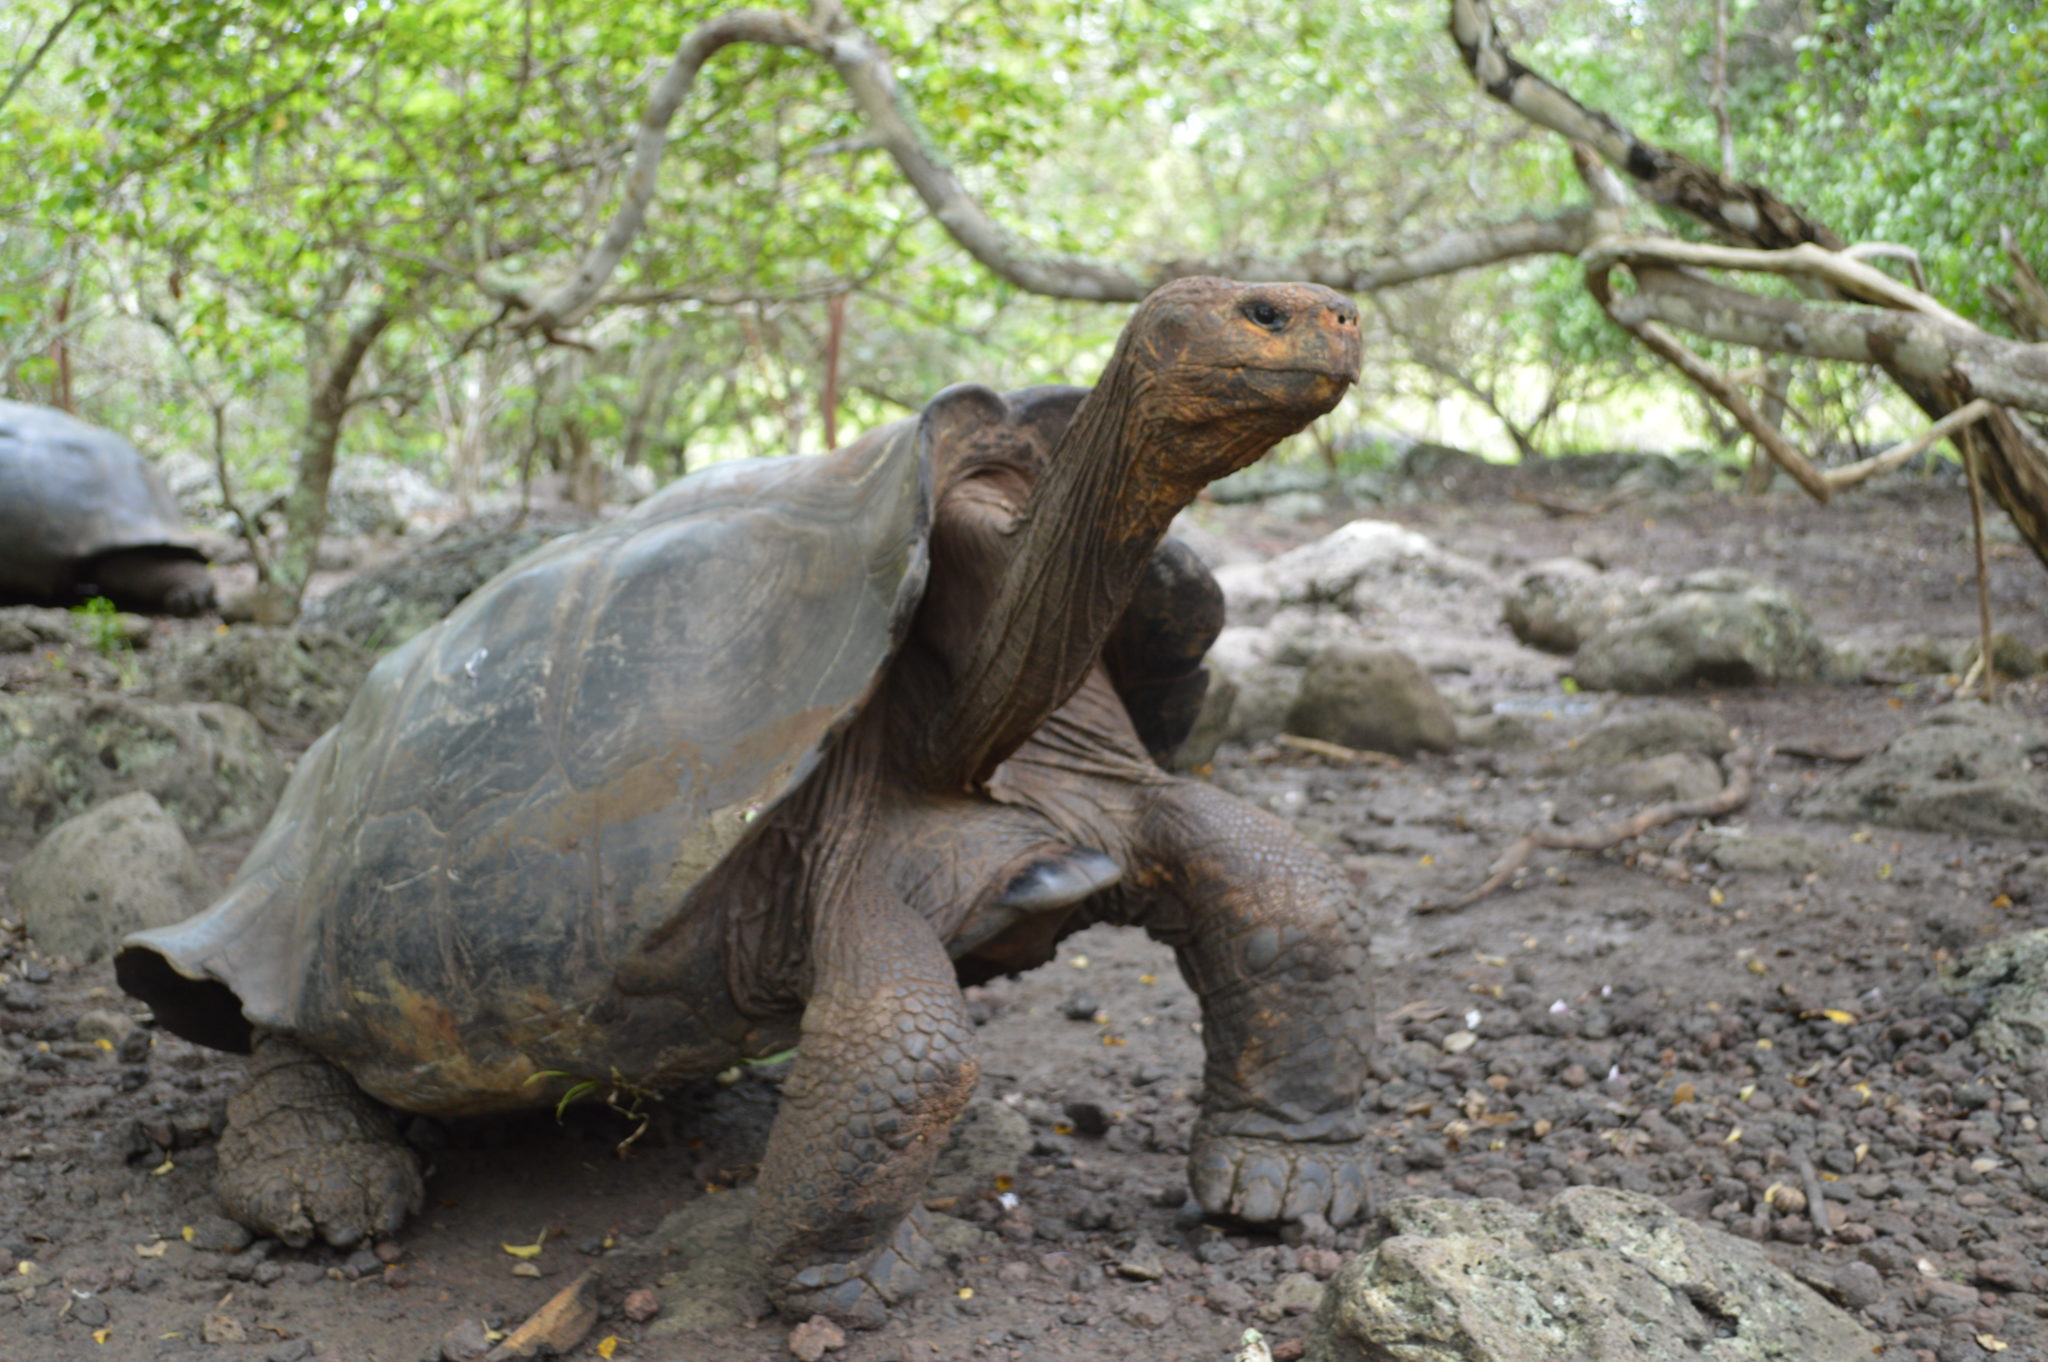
(994,795)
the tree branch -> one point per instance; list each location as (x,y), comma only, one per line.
(35,58)
(893,126)
(1916,347)
(1744,213)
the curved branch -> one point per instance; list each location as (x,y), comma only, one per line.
(864,67)
(1911,346)
(1744,213)
(570,300)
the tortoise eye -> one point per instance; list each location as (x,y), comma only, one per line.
(1263,313)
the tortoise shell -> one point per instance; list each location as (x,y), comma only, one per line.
(72,492)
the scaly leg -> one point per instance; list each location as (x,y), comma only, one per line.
(1270,937)
(884,1066)
(307,1154)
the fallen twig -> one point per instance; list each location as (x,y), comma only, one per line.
(1732,796)
(556,1327)
(1563,506)
(1331,751)
(1816,1198)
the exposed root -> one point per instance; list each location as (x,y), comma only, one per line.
(1741,767)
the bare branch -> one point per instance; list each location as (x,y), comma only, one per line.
(568,301)
(1837,269)
(1915,347)
(1674,352)
(893,126)
(1739,212)
(1741,769)
(1904,452)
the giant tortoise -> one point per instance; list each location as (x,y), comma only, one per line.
(781,758)
(82,513)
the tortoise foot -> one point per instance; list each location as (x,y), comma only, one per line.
(306,1155)
(1264,1181)
(858,1291)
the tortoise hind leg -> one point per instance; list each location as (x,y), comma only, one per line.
(1269,935)
(884,1066)
(306,1154)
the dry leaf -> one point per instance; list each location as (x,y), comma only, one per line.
(1838,1016)
(607,1345)
(1682,1094)
(527,1250)
(1991,1343)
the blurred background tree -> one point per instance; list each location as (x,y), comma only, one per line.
(280,236)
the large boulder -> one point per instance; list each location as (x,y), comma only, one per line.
(1561,602)
(384,607)
(118,868)
(1377,699)
(208,764)
(1333,569)
(1596,1276)
(1969,769)
(2009,978)
(297,682)
(374,496)
(1719,628)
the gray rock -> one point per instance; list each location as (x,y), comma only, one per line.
(1331,568)
(373,496)
(1597,1276)
(2009,977)
(208,764)
(1641,733)
(118,868)
(1212,725)
(1921,657)
(2012,656)
(25,628)
(1265,692)
(1560,603)
(1716,628)
(383,608)
(1250,595)
(1673,776)
(1496,732)
(297,682)
(1265,480)
(1377,699)
(1968,769)
(1298,506)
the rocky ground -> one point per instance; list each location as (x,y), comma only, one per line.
(1750,1018)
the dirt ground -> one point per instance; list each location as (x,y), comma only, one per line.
(1725,1039)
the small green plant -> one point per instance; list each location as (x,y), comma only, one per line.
(626,1098)
(103,627)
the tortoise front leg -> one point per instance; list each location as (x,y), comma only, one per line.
(1270,937)
(307,1154)
(884,1066)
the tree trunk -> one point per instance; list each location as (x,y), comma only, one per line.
(305,510)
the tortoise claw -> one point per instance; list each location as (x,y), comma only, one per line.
(1267,1181)
(857,1292)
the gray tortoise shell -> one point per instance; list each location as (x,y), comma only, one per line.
(70,492)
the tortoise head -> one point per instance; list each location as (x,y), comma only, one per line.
(1220,371)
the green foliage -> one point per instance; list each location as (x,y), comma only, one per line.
(103,629)
(240,180)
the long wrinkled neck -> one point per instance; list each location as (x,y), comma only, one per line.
(1093,518)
